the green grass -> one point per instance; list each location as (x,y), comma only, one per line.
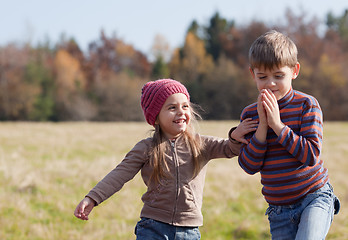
(47,168)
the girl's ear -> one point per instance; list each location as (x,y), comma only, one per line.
(296,70)
(157,121)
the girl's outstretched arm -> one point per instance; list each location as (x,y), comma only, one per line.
(84,208)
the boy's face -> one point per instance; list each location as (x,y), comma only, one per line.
(278,80)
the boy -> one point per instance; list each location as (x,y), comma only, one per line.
(286,146)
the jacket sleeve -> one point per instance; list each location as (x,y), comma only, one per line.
(305,146)
(122,173)
(216,147)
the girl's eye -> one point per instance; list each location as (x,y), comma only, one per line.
(185,106)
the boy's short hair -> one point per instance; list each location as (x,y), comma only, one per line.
(272,49)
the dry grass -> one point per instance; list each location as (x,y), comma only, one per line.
(46,168)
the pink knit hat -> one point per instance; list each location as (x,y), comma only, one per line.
(155,93)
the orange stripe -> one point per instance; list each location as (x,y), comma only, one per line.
(293,185)
(251,162)
(291,109)
(311,114)
(292,149)
(305,153)
(273,162)
(270,176)
(294,122)
(255,149)
(292,196)
(284,135)
(311,127)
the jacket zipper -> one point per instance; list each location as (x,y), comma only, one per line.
(176,164)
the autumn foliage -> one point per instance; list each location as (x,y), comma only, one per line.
(103,83)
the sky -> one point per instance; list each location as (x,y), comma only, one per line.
(137,22)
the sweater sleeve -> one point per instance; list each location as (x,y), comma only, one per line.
(122,173)
(305,146)
(252,155)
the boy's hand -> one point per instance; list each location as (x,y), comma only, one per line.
(84,208)
(261,111)
(246,126)
(261,132)
(270,104)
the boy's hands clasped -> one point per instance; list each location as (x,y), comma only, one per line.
(268,111)
(269,116)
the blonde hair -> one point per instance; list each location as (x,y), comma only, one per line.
(272,49)
(160,144)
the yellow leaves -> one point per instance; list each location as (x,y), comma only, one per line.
(196,55)
(70,95)
(331,71)
(192,61)
(124,50)
(68,72)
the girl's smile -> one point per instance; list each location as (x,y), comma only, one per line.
(174,115)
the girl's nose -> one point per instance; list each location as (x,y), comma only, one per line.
(181,111)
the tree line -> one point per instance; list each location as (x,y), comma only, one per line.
(64,83)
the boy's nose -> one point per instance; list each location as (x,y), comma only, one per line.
(271,83)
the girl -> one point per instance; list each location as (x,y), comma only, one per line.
(172,163)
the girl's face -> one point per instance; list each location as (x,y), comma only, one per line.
(174,116)
(278,80)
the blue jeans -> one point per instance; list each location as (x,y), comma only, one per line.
(308,219)
(149,229)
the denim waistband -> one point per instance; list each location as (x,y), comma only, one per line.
(327,187)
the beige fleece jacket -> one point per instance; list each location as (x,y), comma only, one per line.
(176,200)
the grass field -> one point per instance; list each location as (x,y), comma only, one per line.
(47,168)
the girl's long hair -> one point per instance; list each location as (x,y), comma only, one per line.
(160,145)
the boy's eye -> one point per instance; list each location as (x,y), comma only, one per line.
(262,77)
(280,76)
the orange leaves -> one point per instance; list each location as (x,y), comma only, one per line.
(68,72)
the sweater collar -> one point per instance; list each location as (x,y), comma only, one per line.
(286,99)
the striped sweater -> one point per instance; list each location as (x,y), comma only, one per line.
(290,163)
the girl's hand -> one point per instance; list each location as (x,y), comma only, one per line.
(246,126)
(84,208)
(270,104)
